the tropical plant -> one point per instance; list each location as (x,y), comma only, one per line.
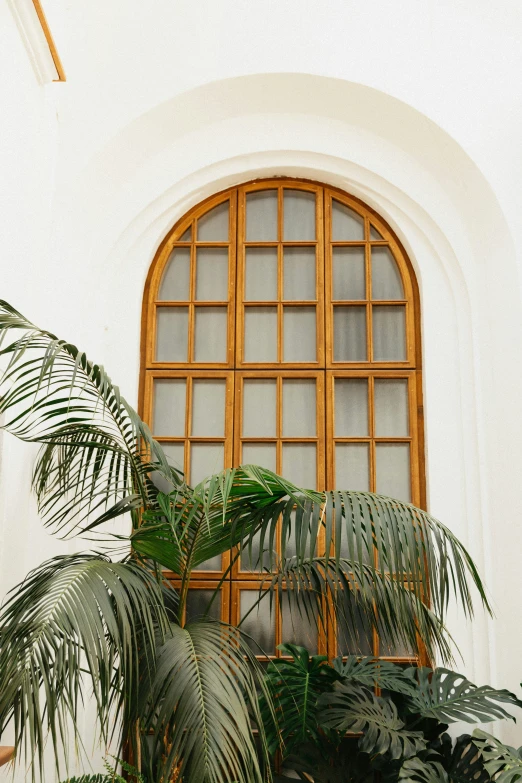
(402,733)
(112,620)
(502,762)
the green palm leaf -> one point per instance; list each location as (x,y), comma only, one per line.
(75,618)
(354,708)
(295,687)
(449,697)
(96,453)
(202,700)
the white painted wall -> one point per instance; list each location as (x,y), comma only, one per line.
(414,107)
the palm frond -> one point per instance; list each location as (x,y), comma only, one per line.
(354,708)
(295,687)
(97,454)
(449,697)
(202,700)
(74,620)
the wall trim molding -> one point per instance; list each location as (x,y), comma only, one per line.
(38,40)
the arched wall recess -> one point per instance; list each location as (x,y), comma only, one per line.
(432,195)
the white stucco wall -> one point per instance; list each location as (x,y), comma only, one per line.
(413,107)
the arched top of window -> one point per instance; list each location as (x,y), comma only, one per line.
(281,273)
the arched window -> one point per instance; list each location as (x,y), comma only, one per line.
(281,327)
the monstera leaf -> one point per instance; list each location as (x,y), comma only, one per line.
(295,686)
(447,762)
(354,708)
(373,672)
(449,697)
(502,762)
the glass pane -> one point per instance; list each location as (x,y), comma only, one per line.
(375,235)
(210,343)
(389,334)
(169,407)
(347,225)
(261,274)
(175,453)
(213,227)
(186,236)
(260,623)
(299,215)
(351,407)
(175,283)
(348,273)
(255,562)
(259,407)
(212,273)
(198,602)
(299,409)
(261,216)
(297,628)
(299,273)
(263,454)
(300,464)
(349,334)
(299,336)
(205,460)
(354,633)
(398,650)
(208,407)
(393,470)
(171,334)
(391,408)
(386,278)
(260,334)
(352,466)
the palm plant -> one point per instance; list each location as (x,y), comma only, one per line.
(181,696)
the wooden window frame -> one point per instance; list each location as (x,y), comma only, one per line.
(325,370)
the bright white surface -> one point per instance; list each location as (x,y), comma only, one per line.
(413,107)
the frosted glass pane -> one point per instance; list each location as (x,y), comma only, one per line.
(300,464)
(259,407)
(186,236)
(208,407)
(389,334)
(260,334)
(386,278)
(198,602)
(375,235)
(348,273)
(261,274)
(391,408)
(171,334)
(349,334)
(256,562)
(352,466)
(354,633)
(259,624)
(299,273)
(297,628)
(351,408)
(176,277)
(393,470)
(169,407)
(398,650)
(263,454)
(210,343)
(299,409)
(299,335)
(212,273)
(299,215)
(261,216)
(213,227)
(205,460)
(175,453)
(347,225)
